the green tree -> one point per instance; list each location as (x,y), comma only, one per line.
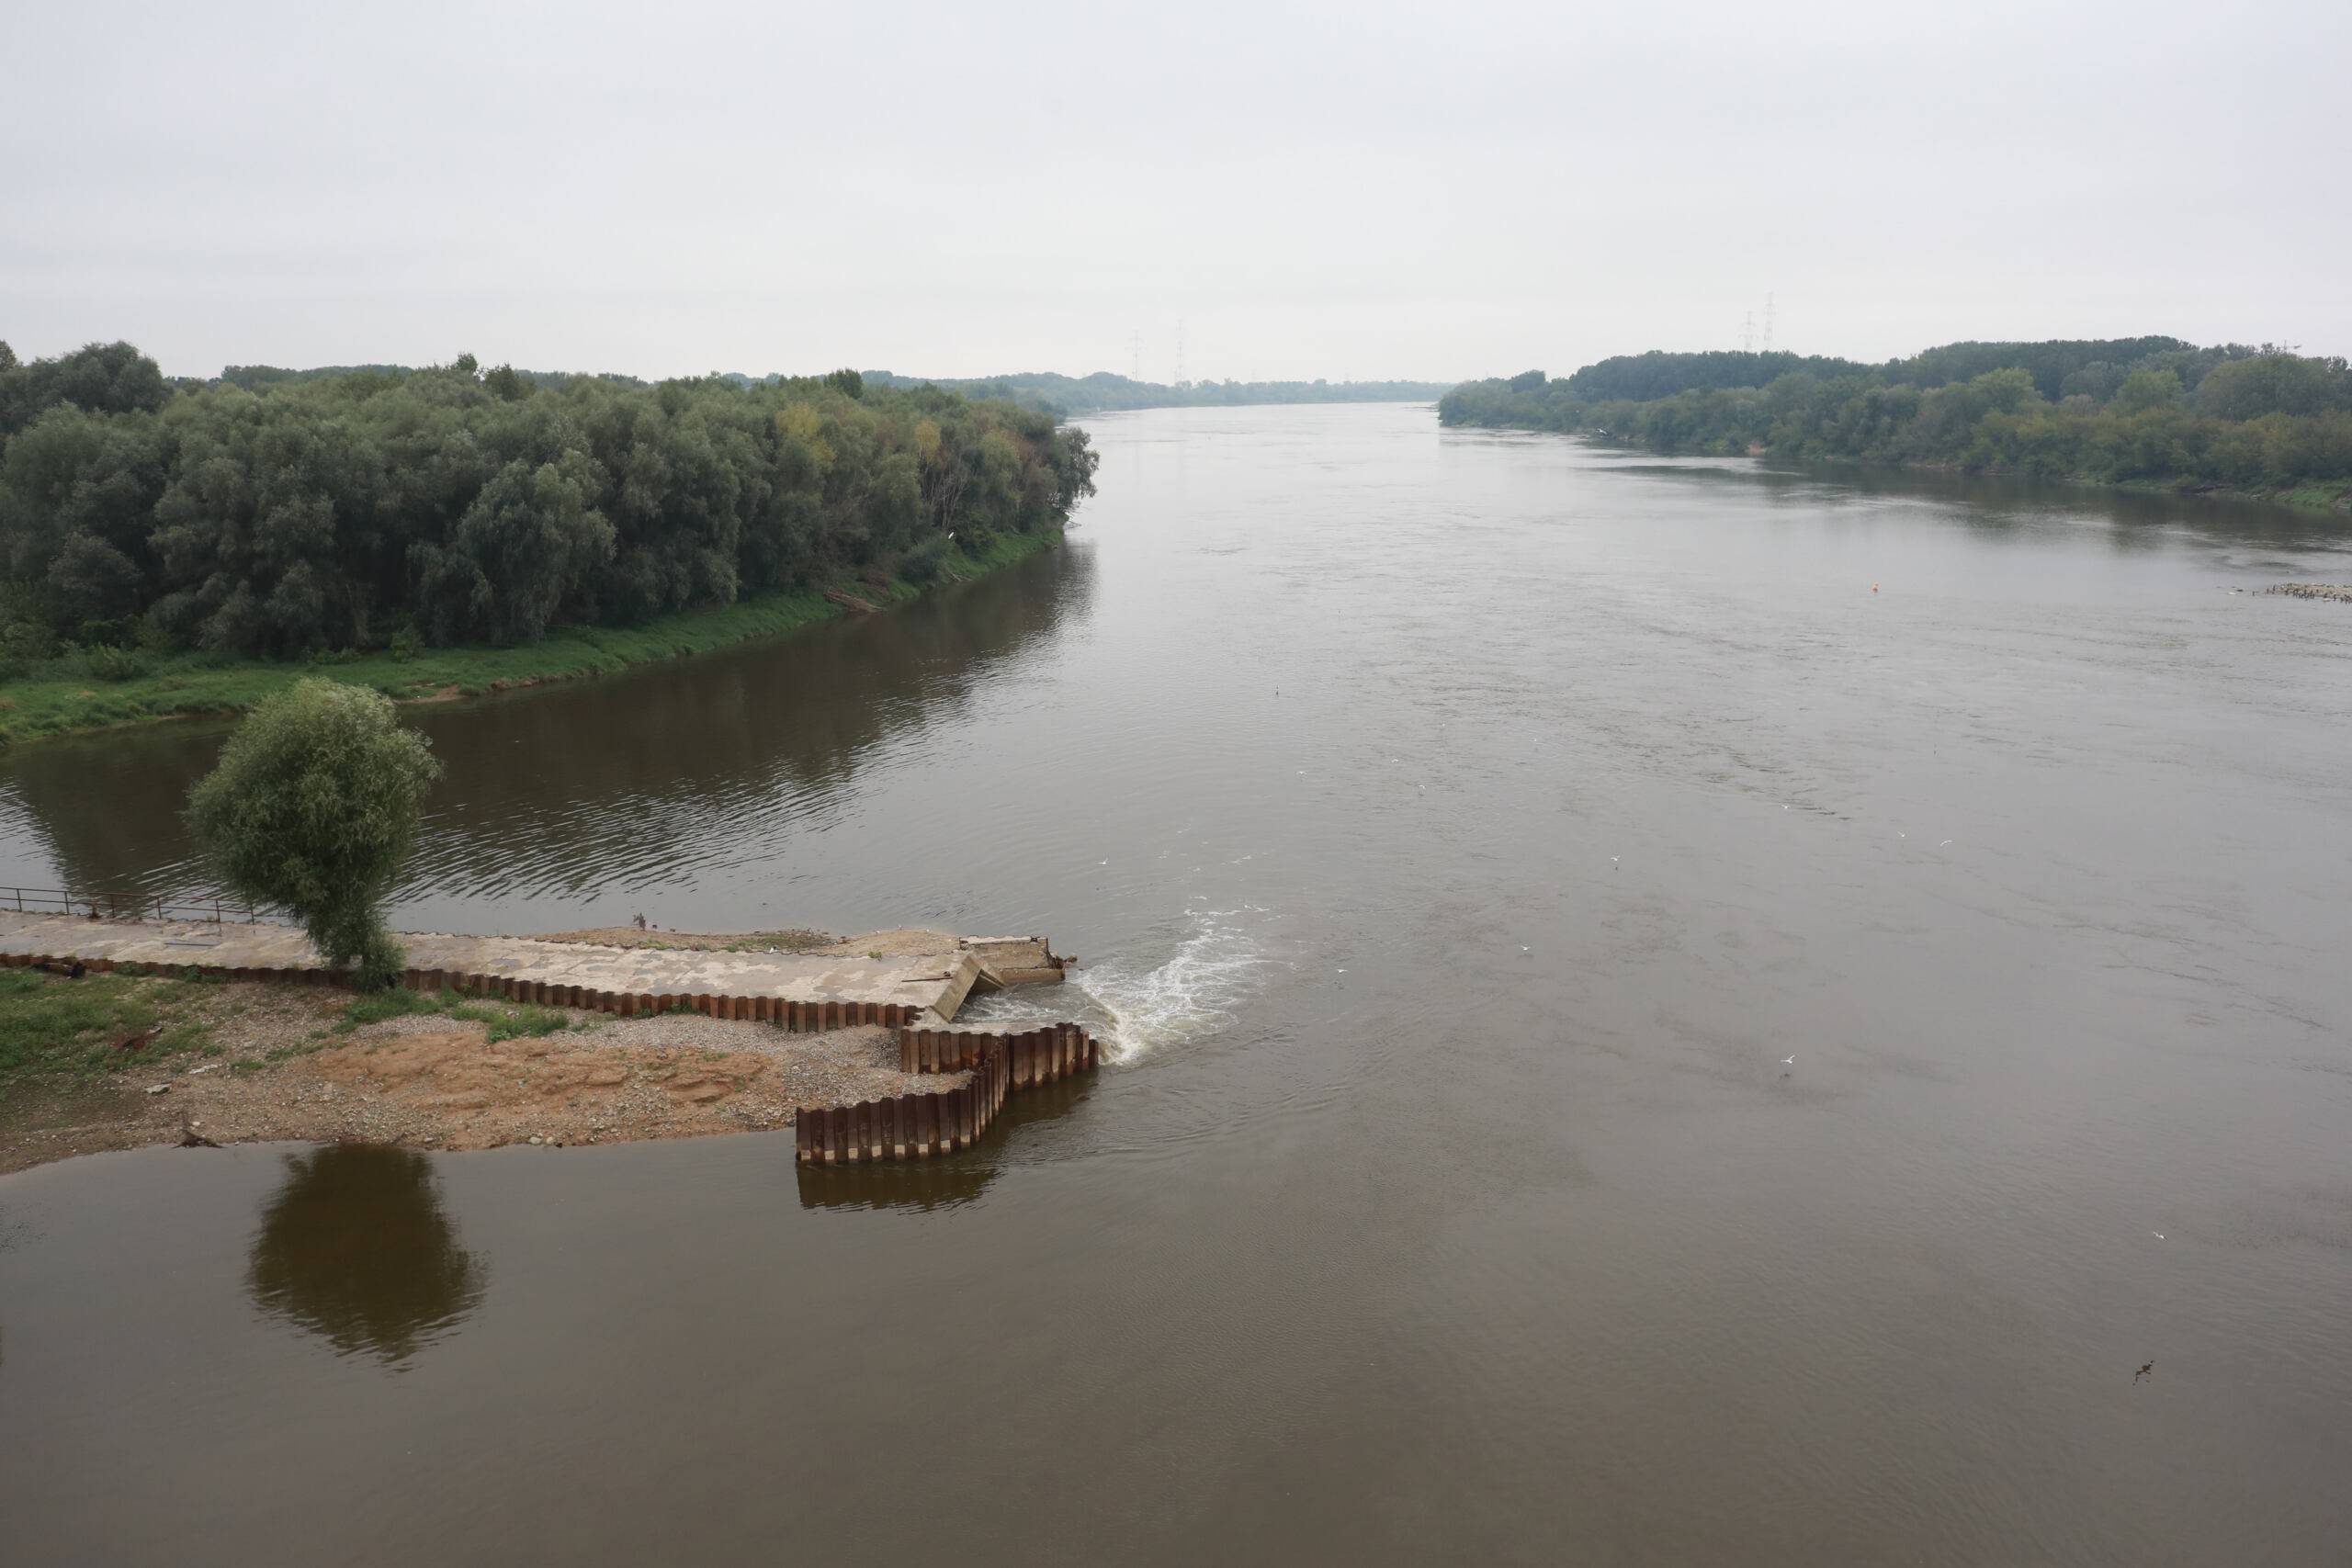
(2145,388)
(529,538)
(314,808)
(2272,383)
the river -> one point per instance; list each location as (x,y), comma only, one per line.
(1461,830)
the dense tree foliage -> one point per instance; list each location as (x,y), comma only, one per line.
(296,515)
(2152,409)
(313,808)
(1102,392)
(1641,377)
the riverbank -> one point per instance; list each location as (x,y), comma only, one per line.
(121,1061)
(124,1059)
(70,695)
(2329,496)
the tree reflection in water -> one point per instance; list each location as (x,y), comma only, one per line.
(355,1249)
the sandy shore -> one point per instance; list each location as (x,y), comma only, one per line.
(278,1063)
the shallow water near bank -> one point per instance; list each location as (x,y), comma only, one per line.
(1458,831)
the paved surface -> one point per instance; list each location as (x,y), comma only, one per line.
(939,982)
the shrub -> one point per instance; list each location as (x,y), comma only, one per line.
(314,808)
(108,662)
(925,561)
(28,641)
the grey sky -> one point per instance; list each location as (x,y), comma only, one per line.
(1343,190)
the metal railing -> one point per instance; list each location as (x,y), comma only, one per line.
(102,906)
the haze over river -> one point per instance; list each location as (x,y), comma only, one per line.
(1460,829)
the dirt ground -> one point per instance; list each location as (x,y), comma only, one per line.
(427,1080)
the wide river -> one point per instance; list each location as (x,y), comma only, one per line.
(1461,832)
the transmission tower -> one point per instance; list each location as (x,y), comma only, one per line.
(1179,351)
(1135,356)
(1747,333)
(1767,324)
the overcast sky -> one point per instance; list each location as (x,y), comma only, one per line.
(1364,189)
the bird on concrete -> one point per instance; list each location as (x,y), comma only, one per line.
(2147,1370)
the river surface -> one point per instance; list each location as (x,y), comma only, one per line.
(1462,831)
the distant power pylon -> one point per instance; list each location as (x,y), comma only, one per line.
(1135,356)
(1747,333)
(1179,351)
(1767,324)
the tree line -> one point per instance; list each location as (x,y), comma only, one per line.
(288,514)
(2130,410)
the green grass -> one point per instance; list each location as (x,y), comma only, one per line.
(62,1031)
(500,1021)
(59,696)
(2335,496)
(54,1028)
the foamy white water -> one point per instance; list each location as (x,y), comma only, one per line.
(1169,987)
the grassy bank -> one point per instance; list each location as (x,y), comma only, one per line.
(79,692)
(61,1034)
(54,1028)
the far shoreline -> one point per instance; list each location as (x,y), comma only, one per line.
(2324,499)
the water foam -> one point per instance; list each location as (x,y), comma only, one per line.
(1191,995)
(1135,1005)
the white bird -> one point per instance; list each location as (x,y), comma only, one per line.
(1523,949)
(2158,1234)
(1945,845)
(1789,1060)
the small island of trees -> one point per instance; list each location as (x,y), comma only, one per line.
(280,515)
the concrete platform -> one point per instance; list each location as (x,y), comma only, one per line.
(1015,961)
(932,984)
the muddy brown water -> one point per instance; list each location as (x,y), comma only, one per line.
(1460,829)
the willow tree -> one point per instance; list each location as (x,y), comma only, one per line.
(314,808)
